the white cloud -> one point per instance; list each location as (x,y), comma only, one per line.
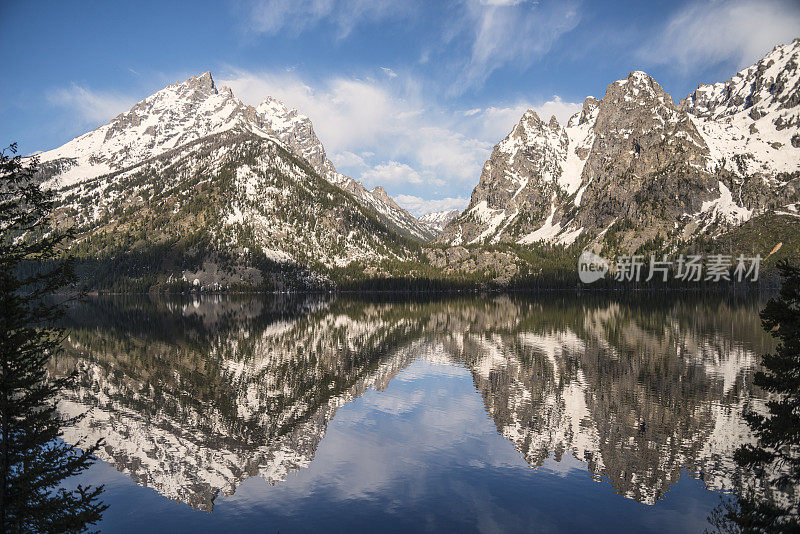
(511,32)
(366,123)
(420,206)
(705,33)
(390,174)
(294,16)
(349,159)
(90,107)
(391,133)
(389,72)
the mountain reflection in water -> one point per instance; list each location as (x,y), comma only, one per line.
(195,397)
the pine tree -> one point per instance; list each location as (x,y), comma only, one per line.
(776,455)
(33,459)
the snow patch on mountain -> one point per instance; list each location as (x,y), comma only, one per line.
(751,121)
(439,219)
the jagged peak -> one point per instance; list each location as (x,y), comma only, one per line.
(530,121)
(203,82)
(277,112)
(638,86)
(273,103)
(588,112)
(380,193)
(781,50)
(530,116)
(639,76)
(637,79)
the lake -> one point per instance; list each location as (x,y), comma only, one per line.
(559,412)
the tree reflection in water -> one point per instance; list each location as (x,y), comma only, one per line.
(193,397)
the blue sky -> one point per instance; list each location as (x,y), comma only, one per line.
(408,94)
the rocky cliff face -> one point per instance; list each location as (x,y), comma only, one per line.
(636,160)
(522,178)
(647,162)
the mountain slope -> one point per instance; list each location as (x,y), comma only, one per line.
(232,208)
(652,170)
(762,101)
(296,132)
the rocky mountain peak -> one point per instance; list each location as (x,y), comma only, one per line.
(526,171)
(178,114)
(530,118)
(380,192)
(274,107)
(635,157)
(635,90)
(204,82)
(586,114)
(644,151)
(297,132)
(532,131)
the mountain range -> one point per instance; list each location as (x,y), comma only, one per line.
(192,186)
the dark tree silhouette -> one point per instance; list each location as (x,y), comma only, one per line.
(775,458)
(33,460)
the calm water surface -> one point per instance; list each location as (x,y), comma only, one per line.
(489,413)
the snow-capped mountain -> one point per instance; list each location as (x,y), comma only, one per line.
(184,112)
(165,120)
(296,132)
(439,219)
(635,161)
(230,208)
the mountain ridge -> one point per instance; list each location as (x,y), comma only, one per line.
(183,112)
(192,189)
